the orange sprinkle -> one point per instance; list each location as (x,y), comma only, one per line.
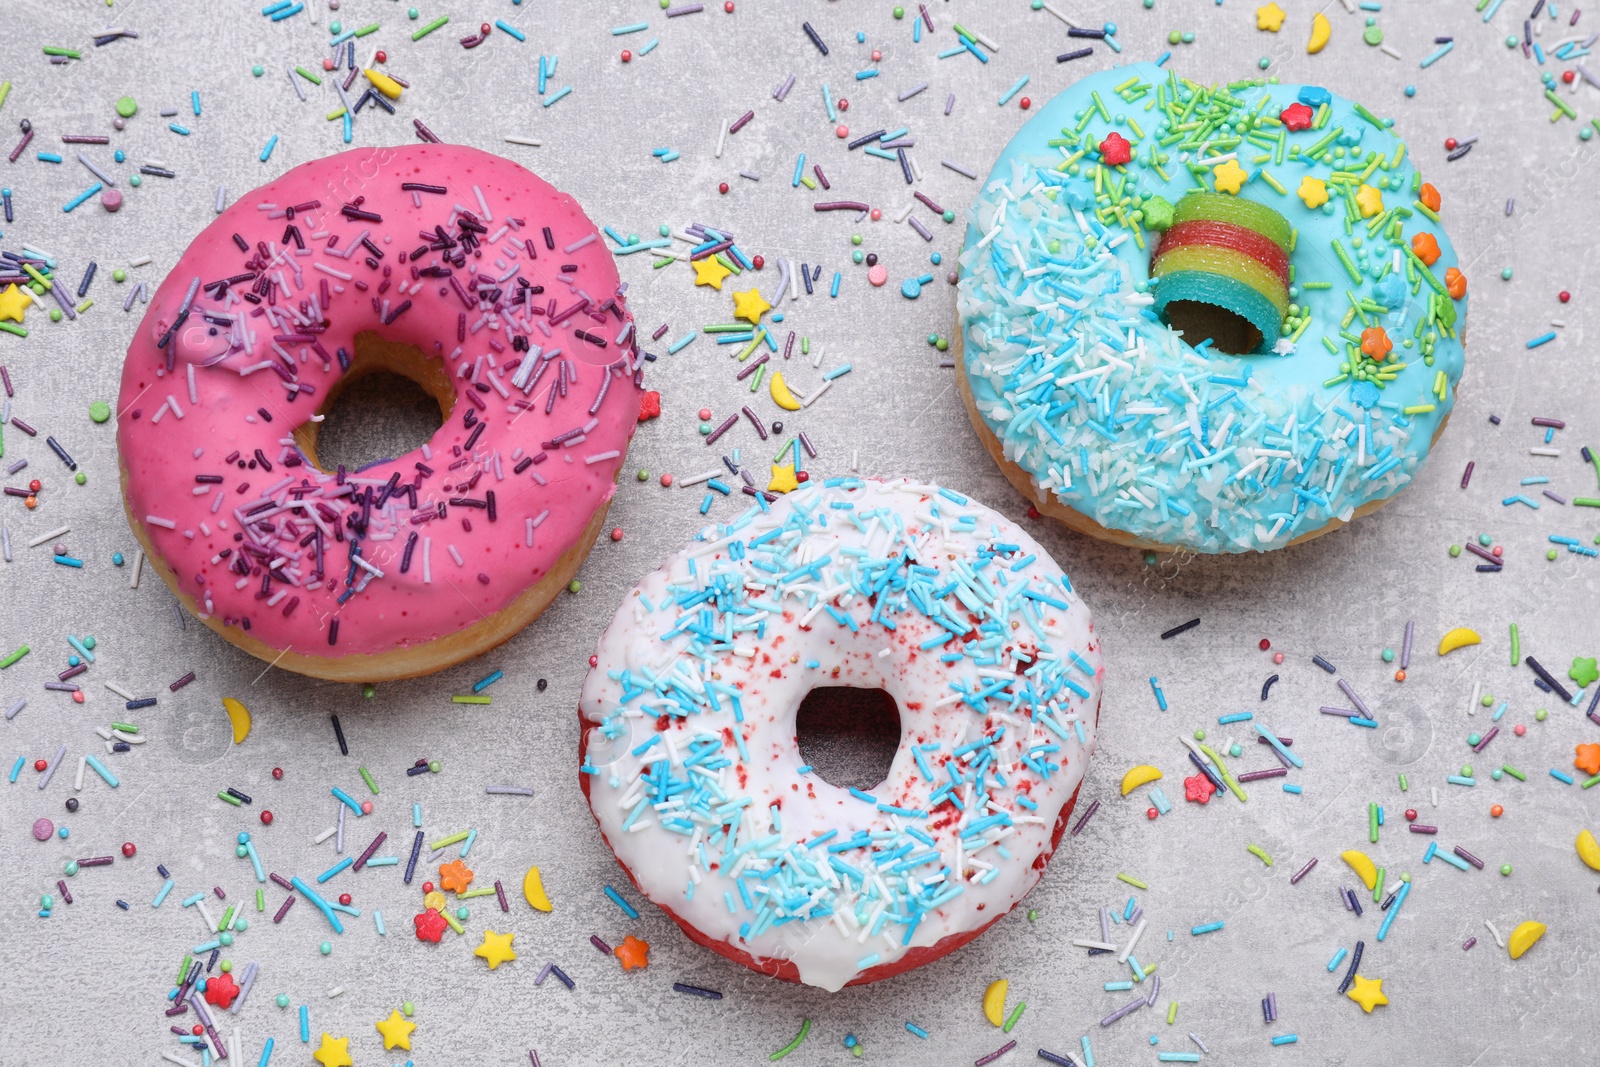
(455,876)
(633,953)
(1455,283)
(1588,759)
(1429,197)
(1375,343)
(1426,246)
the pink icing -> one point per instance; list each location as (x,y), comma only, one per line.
(245,545)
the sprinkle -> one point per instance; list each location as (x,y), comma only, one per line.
(627,909)
(1179,629)
(805,1025)
(1206,928)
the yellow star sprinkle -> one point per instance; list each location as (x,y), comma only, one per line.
(1367,992)
(1270,18)
(1229,176)
(396,1031)
(1314,191)
(1369,200)
(496,948)
(13,302)
(750,306)
(334,1052)
(710,271)
(783,479)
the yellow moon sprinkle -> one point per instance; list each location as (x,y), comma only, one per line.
(1138,776)
(780,392)
(1589,849)
(1524,937)
(1460,637)
(239,716)
(994,1002)
(1321,30)
(1362,864)
(533,890)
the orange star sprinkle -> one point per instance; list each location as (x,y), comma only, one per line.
(633,953)
(1426,246)
(1588,759)
(455,876)
(1375,343)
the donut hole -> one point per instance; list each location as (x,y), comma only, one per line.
(1229,332)
(849,736)
(392,400)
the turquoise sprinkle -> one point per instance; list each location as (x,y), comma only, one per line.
(504,27)
(109,778)
(1338,958)
(1161,698)
(81,197)
(346,799)
(681,343)
(650,46)
(1290,787)
(616,898)
(837,372)
(863,75)
(266,153)
(175,128)
(1016,87)
(915,1029)
(634,27)
(1286,1039)
(1242,716)
(1560,776)
(1542,339)
(559,94)
(49,157)
(1206,928)
(335,869)
(485,682)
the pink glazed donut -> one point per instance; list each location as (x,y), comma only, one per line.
(458,269)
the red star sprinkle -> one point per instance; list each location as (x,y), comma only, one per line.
(1198,789)
(220,990)
(1296,117)
(430,926)
(1115,150)
(649,406)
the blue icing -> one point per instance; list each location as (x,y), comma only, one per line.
(1105,408)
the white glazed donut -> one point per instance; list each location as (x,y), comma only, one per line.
(690,761)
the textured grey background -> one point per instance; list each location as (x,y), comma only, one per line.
(87,983)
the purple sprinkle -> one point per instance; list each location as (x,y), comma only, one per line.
(1422,828)
(288,902)
(1467,945)
(1463,853)
(605,949)
(1272,772)
(996,1054)
(1294,879)
(1084,819)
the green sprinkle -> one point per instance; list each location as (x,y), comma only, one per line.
(1016,1013)
(805,1028)
(308,76)
(430,27)
(363,31)
(366,776)
(13,657)
(230,798)
(55,50)
(468,698)
(1513,772)
(1259,853)
(446,842)
(1516,646)
(1131,880)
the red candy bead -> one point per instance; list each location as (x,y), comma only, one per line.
(128,849)
(1151,813)
(1568,75)
(77,696)
(704,413)
(35,485)
(1450,144)
(427,887)
(41,765)
(1411,815)
(266,817)
(616,533)
(327,64)
(1265,644)
(344,898)
(757,262)
(841,131)
(594,661)
(728,6)
(1563,296)
(1498,550)
(277,773)
(382,56)
(666,481)
(722,187)
(197,1029)
(802,477)
(484,28)
(876,55)
(366,807)
(1033,512)
(877,213)
(1497,811)
(843,104)
(627,56)
(1026,103)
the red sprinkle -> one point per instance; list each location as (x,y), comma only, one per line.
(627,56)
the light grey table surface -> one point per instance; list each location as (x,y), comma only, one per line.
(87,984)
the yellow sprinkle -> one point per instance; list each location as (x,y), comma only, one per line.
(1131,880)
(1259,853)
(383,83)
(446,842)
(469,698)
(1172,1013)
(1418,409)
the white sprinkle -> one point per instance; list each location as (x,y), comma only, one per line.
(172,402)
(1497,938)
(600,457)
(138,567)
(579,243)
(341,275)
(52,535)
(722,136)
(427,561)
(142,261)
(529,141)
(1544,451)
(156,520)
(456,556)
(483,205)
(83,763)
(320,838)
